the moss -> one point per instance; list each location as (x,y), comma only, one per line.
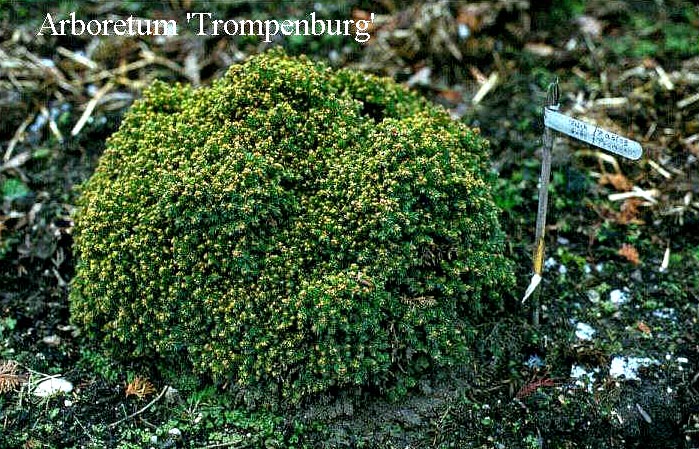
(290,228)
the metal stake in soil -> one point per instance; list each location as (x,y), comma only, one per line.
(580,130)
(538,259)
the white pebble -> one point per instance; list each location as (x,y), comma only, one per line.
(584,331)
(464,31)
(52,386)
(628,366)
(593,296)
(52,340)
(618,297)
(665,313)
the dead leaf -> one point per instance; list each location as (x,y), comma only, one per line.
(451,95)
(629,212)
(620,182)
(471,17)
(477,74)
(629,253)
(643,327)
(359,14)
(140,387)
(9,379)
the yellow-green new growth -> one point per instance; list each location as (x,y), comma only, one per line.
(290,228)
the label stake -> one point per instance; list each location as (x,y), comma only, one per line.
(554,120)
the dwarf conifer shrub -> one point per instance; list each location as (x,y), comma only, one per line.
(291,228)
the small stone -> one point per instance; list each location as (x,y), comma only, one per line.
(464,31)
(584,331)
(534,362)
(52,340)
(584,378)
(175,433)
(410,419)
(637,276)
(52,386)
(171,395)
(593,296)
(628,366)
(618,297)
(420,78)
(664,313)
(74,331)
(425,388)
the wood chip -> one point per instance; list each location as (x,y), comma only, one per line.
(485,88)
(52,124)
(664,173)
(637,192)
(683,103)
(542,50)
(80,59)
(651,130)
(16,161)
(18,136)
(616,102)
(666,260)
(646,417)
(638,71)
(663,78)
(87,113)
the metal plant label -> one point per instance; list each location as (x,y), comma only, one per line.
(592,134)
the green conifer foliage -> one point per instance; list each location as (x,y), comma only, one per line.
(290,227)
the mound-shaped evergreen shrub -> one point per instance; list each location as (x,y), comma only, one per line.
(290,227)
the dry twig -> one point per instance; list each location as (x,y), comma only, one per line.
(138,412)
